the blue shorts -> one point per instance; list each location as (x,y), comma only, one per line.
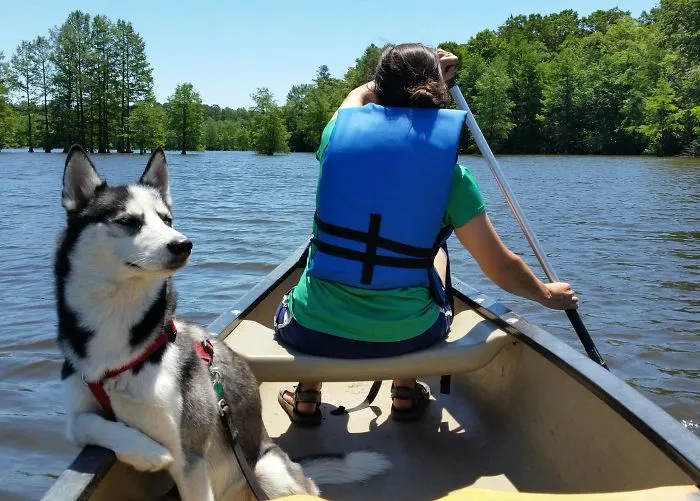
(291,333)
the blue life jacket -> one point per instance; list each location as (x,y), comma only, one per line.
(381,198)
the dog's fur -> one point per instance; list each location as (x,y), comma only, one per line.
(114,294)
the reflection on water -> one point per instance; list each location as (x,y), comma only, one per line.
(681,236)
(623,230)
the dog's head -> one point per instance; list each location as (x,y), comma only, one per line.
(125,231)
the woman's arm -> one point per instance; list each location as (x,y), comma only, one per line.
(358,97)
(509,271)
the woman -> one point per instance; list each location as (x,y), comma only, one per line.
(389,194)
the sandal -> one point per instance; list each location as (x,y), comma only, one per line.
(419,396)
(307,396)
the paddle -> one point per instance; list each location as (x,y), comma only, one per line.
(491,161)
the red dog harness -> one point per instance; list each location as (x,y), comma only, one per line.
(205,351)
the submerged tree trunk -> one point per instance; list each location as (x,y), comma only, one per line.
(29,120)
(47,141)
(184,129)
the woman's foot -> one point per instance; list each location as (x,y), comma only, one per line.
(302,403)
(409,399)
(303,407)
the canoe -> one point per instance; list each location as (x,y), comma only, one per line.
(527,416)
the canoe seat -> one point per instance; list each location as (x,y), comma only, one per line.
(472,343)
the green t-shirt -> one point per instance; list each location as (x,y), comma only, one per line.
(379,315)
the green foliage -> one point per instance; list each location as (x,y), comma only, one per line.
(5,109)
(269,133)
(492,106)
(523,65)
(557,83)
(23,81)
(185,118)
(679,21)
(43,75)
(364,68)
(146,124)
(563,95)
(662,120)
(310,106)
(602,20)
(227,135)
(85,78)
(133,73)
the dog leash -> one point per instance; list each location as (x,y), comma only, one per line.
(205,349)
(371,395)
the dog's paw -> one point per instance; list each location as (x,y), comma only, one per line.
(146,456)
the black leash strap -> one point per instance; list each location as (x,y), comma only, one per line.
(232,435)
(373,391)
(446,380)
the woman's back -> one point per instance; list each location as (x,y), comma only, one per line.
(375,314)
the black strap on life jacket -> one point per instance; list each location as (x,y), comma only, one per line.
(419,257)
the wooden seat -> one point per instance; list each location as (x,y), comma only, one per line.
(472,343)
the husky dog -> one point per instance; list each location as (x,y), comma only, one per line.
(115,301)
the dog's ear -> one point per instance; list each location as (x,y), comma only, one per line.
(80,180)
(157,175)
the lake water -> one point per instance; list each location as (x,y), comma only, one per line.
(624,230)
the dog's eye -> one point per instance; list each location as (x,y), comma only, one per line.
(167,220)
(130,222)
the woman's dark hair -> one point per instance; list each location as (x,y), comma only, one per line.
(408,75)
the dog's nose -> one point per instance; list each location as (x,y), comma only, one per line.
(180,248)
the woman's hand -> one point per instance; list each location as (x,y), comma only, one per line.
(561,297)
(448,65)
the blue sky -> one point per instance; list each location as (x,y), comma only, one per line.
(229,48)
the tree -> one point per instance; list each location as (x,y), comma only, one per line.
(295,111)
(6,113)
(186,117)
(269,132)
(146,124)
(523,66)
(364,68)
(678,20)
(561,103)
(43,73)
(492,106)
(602,20)
(555,29)
(662,120)
(71,58)
(103,78)
(133,74)
(23,80)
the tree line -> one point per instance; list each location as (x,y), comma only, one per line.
(88,81)
(607,83)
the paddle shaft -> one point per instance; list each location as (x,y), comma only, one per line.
(495,168)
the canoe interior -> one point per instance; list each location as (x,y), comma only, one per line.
(519,424)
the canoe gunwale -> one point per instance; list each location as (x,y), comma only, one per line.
(226,322)
(81,478)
